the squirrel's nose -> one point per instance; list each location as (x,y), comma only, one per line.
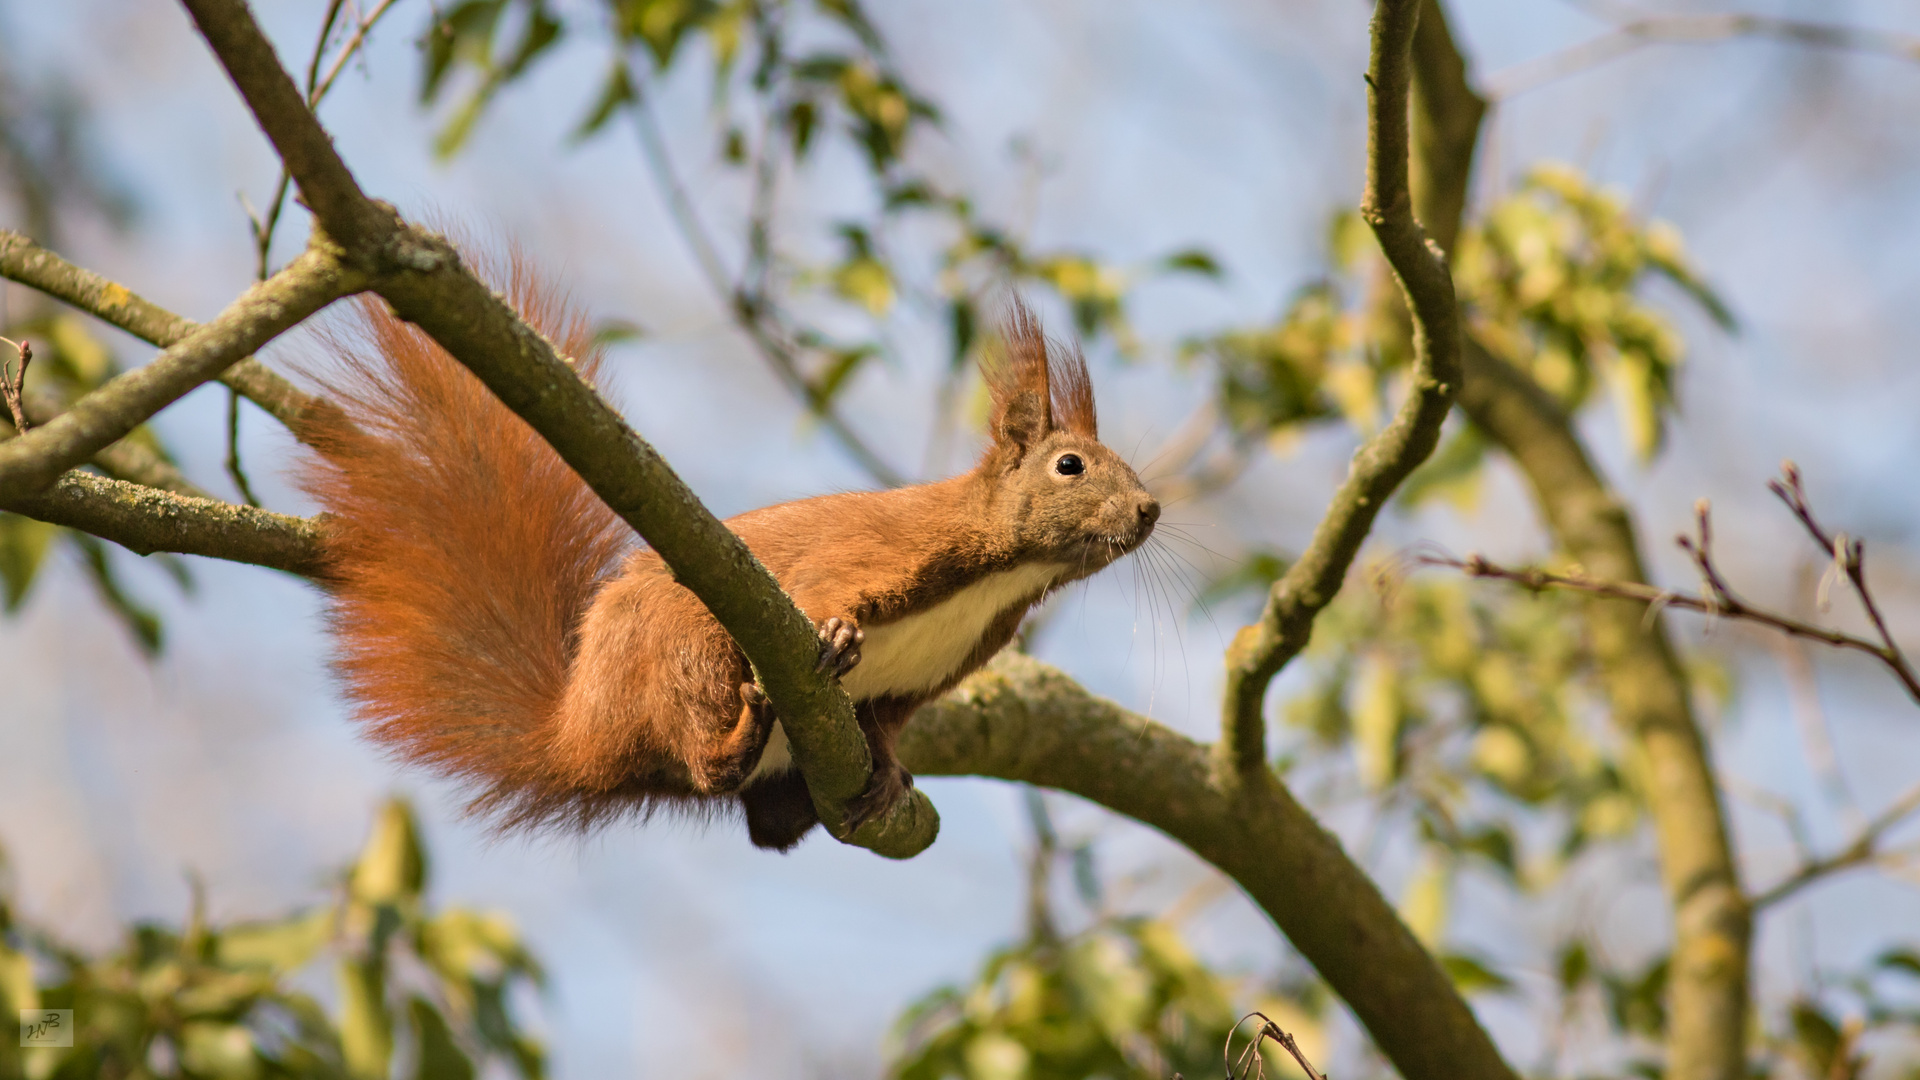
(1148,508)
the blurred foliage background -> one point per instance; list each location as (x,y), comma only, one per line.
(1451,731)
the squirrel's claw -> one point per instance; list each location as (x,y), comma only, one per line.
(839,646)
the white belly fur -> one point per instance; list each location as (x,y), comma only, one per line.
(919,652)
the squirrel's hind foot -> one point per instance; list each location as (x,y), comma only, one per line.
(734,759)
(890,783)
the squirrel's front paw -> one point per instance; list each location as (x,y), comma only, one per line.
(889,785)
(839,646)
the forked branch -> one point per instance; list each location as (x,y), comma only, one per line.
(33,461)
(1261,649)
(1864,848)
(13,381)
(427,283)
(31,265)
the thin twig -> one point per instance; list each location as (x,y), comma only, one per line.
(1717,598)
(31,265)
(1850,555)
(1863,848)
(1636,34)
(236,470)
(263,230)
(751,307)
(1536,579)
(13,382)
(347,51)
(1250,1064)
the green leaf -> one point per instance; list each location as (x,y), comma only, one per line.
(840,367)
(139,620)
(1193,261)
(440,1058)
(1452,473)
(961,330)
(661,25)
(283,946)
(866,281)
(615,95)
(1575,966)
(463,31)
(392,868)
(218,1051)
(801,119)
(542,31)
(617,331)
(1818,1037)
(23,548)
(1906,961)
(366,1027)
(1472,976)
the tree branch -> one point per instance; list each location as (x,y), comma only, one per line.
(31,265)
(145,520)
(123,460)
(1849,558)
(749,308)
(1636,34)
(1260,650)
(1447,113)
(1648,693)
(422,276)
(1863,848)
(326,186)
(1713,924)
(1022,720)
(34,460)
(1717,598)
(1720,605)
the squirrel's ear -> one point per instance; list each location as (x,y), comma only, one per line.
(1022,400)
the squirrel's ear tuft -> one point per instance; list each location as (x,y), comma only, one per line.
(1018,380)
(1072,391)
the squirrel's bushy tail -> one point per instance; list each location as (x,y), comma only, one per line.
(463,551)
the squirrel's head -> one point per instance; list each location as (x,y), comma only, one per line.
(1063,493)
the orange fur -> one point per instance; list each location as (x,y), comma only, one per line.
(489,627)
(463,549)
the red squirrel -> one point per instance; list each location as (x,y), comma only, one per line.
(496,623)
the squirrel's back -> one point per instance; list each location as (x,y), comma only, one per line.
(462,552)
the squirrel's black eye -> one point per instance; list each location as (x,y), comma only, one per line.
(1069,465)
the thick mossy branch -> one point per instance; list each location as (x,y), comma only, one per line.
(1648,692)
(1260,650)
(146,520)
(1707,984)
(33,461)
(1022,720)
(31,265)
(424,279)
(1447,112)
